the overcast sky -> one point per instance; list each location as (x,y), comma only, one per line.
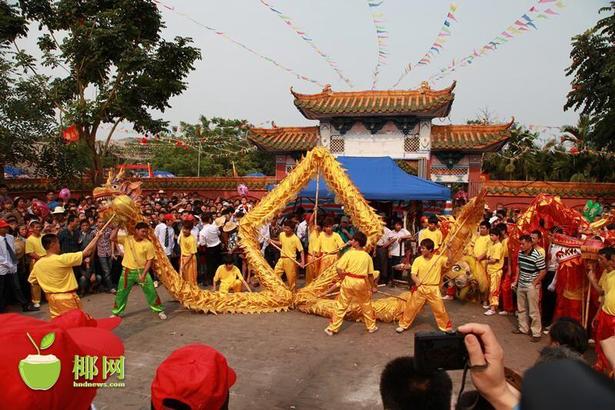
(523,78)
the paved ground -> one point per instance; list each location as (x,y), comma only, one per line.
(283,360)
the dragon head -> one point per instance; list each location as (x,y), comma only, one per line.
(121,197)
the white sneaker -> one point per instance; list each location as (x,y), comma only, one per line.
(489,312)
(328,332)
(374,330)
(486,306)
(503,313)
(447,297)
(400,330)
(36,305)
(162,316)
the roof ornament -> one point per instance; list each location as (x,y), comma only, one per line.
(327,89)
(425,88)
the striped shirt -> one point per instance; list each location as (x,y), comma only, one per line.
(529,267)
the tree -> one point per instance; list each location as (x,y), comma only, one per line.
(593,85)
(222,142)
(26,115)
(117,66)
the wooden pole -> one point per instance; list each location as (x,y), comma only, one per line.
(317,191)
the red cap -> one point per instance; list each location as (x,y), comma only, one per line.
(197,375)
(168,217)
(3,224)
(16,346)
(78,318)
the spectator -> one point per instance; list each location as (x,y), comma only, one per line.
(8,270)
(209,238)
(105,250)
(195,376)
(569,333)
(395,244)
(532,270)
(403,386)
(88,279)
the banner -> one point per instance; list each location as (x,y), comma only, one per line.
(245,47)
(437,45)
(308,39)
(382,36)
(525,23)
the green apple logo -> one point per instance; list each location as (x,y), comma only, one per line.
(40,372)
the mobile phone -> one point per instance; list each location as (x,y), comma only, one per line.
(439,351)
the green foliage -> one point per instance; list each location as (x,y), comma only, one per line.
(222,142)
(112,49)
(593,85)
(63,162)
(522,158)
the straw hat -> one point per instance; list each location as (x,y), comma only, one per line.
(58,210)
(220,221)
(229,226)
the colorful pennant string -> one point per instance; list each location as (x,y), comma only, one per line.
(435,48)
(308,39)
(526,23)
(382,36)
(245,47)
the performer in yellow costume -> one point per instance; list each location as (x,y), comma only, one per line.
(432,232)
(35,251)
(356,269)
(187,245)
(54,274)
(313,264)
(426,272)
(290,244)
(495,265)
(228,275)
(330,244)
(479,251)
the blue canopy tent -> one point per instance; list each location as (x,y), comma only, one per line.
(380,179)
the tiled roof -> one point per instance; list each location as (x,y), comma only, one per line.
(469,137)
(411,166)
(285,139)
(423,102)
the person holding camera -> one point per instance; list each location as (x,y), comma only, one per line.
(426,272)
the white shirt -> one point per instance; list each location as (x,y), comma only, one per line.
(263,233)
(195,232)
(384,238)
(161,231)
(397,248)
(209,235)
(302,230)
(552,263)
(6,265)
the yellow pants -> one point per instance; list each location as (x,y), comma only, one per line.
(416,301)
(494,287)
(287,266)
(62,302)
(353,290)
(326,262)
(35,288)
(312,270)
(225,287)
(187,267)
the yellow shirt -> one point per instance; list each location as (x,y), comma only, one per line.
(481,246)
(227,276)
(607,283)
(330,243)
(496,251)
(136,253)
(435,236)
(542,251)
(357,262)
(54,273)
(314,242)
(290,245)
(429,271)
(34,245)
(187,244)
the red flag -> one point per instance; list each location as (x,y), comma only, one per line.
(451,16)
(143,141)
(71,134)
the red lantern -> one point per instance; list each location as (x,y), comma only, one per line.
(574,151)
(143,141)
(71,134)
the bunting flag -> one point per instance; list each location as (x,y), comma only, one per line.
(382,36)
(308,39)
(436,46)
(239,44)
(526,23)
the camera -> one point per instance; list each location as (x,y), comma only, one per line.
(439,351)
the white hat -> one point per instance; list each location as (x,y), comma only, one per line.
(161,192)
(58,210)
